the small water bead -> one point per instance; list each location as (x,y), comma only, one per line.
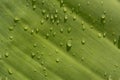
(37,30)
(32,32)
(47,35)
(16,19)
(43,12)
(47,16)
(61,30)
(64,10)
(54,34)
(42,21)
(44,68)
(56,16)
(57,60)
(33,54)
(103,17)
(51,29)
(61,44)
(83,42)
(110,77)
(58,21)
(69,45)
(101,2)
(82,58)
(46,74)
(43,2)
(88,3)
(51,17)
(65,18)
(105,74)
(10,71)
(38,57)
(83,28)
(6,54)
(82,22)
(11,28)
(104,34)
(34,7)
(99,35)
(69,30)
(74,18)
(34,45)
(11,37)
(56,11)
(25,28)
(115,41)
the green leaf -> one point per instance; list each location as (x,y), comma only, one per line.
(59,40)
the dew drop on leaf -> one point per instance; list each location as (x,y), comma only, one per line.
(69,45)
(11,28)
(10,71)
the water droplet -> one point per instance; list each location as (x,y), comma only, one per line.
(56,16)
(11,28)
(74,18)
(52,17)
(43,2)
(25,28)
(83,42)
(109,77)
(82,58)
(57,60)
(54,34)
(38,57)
(61,30)
(47,35)
(99,35)
(103,17)
(16,19)
(69,45)
(58,22)
(56,11)
(10,71)
(61,44)
(69,30)
(51,29)
(43,12)
(42,21)
(91,27)
(37,30)
(105,74)
(101,2)
(6,54)
(47,16)
(34,7)
(104,34)
(82,23)
(32,32)
(83,28)
(11,37)
(33,55)
(64,10)
(65,18)
(35,70)
(115,41)
(46,74)
(35,45)
(44,68)
(88,3)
